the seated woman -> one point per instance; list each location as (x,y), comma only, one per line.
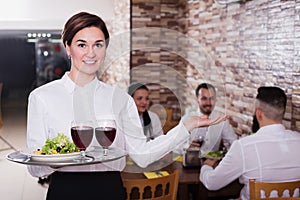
(150,121)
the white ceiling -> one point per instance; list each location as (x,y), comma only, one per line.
(48,14)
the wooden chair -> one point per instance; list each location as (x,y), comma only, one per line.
(169,123)
(255,188)
(163,188)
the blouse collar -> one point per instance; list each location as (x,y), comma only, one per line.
(70,85)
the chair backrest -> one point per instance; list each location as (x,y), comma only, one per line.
(163,188)
(255,188)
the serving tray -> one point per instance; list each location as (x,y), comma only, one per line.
(94,156)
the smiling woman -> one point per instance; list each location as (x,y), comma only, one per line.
(79,95)
(87,52)
(85,37)
(150,121)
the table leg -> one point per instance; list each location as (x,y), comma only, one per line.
(202,192)
(182,193)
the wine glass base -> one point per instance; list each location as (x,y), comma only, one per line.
(83,158)
(108,151)
(100,151)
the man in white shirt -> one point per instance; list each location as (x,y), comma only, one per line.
(213,135)
(271,154)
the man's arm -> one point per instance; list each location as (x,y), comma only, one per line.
(229,169)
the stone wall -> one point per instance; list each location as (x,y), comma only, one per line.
(117,63)
(251,44)
(156,60)
(237,47)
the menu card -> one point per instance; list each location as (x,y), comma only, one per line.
(157,174)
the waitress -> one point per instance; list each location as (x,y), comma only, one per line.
(79,95)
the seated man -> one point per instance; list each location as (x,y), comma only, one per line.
(212,135)
(271,154)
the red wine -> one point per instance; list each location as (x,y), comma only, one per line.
(82,136)
(105,136)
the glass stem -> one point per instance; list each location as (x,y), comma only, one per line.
(105,151)
(82,154)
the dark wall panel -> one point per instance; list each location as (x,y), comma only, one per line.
(17,63)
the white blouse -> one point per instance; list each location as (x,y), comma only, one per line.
(52,107)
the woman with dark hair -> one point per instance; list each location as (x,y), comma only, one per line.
(79,95)
(150,121)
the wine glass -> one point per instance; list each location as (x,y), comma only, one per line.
(82,135)
(201,140)
(105,133)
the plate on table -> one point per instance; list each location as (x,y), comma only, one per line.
(214,155)
(49,157)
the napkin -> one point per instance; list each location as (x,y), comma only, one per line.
(178,159)
(151,175)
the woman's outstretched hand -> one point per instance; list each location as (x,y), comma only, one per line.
(196,122)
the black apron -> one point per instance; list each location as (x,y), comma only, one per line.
(86,186)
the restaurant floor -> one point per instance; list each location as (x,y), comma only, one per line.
(15,181)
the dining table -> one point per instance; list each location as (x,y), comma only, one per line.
(189,186)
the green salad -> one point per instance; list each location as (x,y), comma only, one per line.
(58,145)
(215,154)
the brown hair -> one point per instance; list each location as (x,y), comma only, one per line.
(205,86)
(272,101)
(80,21)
